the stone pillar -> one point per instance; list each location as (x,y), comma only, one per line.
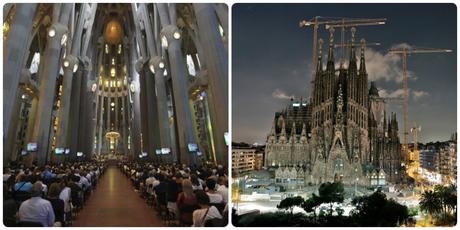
(222,12)
(124,106)
(181,100)
(13,58)
(152,113)
(86,123)
(158,65)
(75,116)
(109,111)
(47,91)
(11,136)
(159,85)
(144,112)
(216,60)
(116,113)
(32,115)
(94,118)
(100,122)
(136,113)
(69,64)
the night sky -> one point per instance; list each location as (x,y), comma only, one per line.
(271,60)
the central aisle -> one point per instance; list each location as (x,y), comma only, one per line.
(114,203)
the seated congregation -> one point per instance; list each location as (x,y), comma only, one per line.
(48,196)
(182,195)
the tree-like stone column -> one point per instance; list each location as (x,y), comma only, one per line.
(216,59)
(13,59)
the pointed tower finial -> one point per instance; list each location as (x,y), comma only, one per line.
(319,66)
(362,62)
(304,130)
(293,132)
(352,65)
(330,58)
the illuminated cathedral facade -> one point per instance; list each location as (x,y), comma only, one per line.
(341,134)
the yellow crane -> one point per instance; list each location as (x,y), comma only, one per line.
(331,23)
(404,52)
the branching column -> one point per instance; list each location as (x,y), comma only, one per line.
(13,60)
(216,59)
(47,77)
(181,100)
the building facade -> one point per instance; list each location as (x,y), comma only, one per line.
(448,161)
(243,160)
(342,133)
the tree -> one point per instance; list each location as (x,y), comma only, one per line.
(441,204)
(377,210)
(290,203)
(311,204)
(430,203)
(331,193)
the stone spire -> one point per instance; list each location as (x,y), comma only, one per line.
(362,62)
(319,66)
(330,58)
(304,130)
(283,126)
(373,91)
(352,65)
(293,133)
(339,116)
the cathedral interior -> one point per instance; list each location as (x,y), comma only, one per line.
(137,81)
(343,133)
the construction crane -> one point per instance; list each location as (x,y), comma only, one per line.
(404,52)
(356,44)
(335,22)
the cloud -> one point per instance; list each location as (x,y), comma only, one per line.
(280,94)
(399,93)
(385,66)
(417,94)
(380,66)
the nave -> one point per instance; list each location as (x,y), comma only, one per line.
(115,203)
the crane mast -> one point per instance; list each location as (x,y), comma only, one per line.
(405,52)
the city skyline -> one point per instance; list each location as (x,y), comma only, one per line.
(269,70)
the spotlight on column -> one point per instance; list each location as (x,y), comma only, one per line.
(161,65)
(132,87)
(112,104)
(75,67)
(63,39)
(66,63)
(94,87)
(176,35)
(152,66)
(164,42)
(52,32)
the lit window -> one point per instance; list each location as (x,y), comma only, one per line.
(112,72)
(106,48)
(113,61)
(191,65)
(221,31)
(35,63)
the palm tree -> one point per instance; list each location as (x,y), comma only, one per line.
(430,203)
